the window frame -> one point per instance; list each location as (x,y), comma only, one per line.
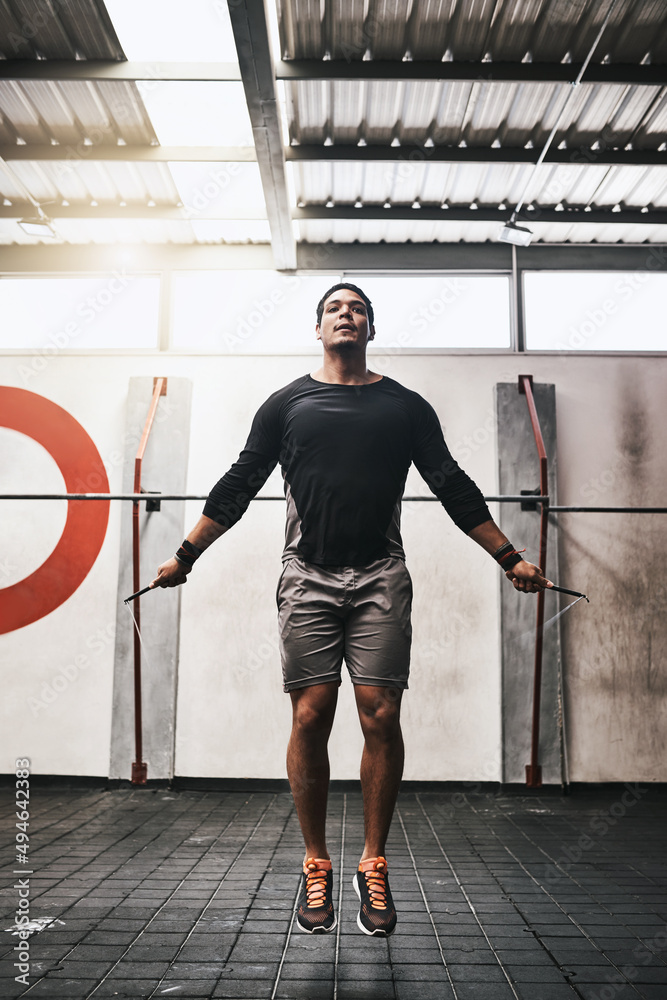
(164,347)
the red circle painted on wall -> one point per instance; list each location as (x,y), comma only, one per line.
(82,468)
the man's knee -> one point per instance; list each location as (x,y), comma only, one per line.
(379,713)
(313,711)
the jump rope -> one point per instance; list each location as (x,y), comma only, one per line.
(546,625)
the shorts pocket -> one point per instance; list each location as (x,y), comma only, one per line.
(280,580)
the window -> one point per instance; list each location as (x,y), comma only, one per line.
(246,312)
(119,310)
(445,310)
(265,312)
(595,311)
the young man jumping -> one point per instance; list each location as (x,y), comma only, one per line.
(345,438)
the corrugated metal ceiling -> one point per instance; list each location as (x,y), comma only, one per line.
(78,115)
(501,30)
(463,184)
(57,29)
(69,113)
(79,183)
(476,114)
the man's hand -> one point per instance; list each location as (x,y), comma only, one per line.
(527,578)
(171,574)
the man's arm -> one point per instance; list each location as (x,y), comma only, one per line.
(524,575)
(461,497)
(230,497)
(173,572)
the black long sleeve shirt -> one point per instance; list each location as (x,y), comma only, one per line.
(345,451)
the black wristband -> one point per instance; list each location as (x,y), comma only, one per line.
(188,554)
(510,561)
(191,549)
(504,550)
(507,556)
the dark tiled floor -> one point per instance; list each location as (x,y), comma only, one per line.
(191,895)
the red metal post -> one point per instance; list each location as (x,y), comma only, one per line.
(139,772)
(534,769)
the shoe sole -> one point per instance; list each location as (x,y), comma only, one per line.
(377,933)
(317,930)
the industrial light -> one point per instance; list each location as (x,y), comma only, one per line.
(37,227)
(520,236)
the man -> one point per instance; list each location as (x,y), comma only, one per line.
(345,438)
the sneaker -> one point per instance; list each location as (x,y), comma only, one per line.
(377,915)
(315,911)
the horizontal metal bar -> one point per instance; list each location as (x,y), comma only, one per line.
(414,153)
(336,69)
(164,213)
(364,257)
(607,510)
(110,69)
(472,72)
(196,496)
(143,153)
(396,213)
(509,498)
(63,258)
(435,213)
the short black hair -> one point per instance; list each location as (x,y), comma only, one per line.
(352,288)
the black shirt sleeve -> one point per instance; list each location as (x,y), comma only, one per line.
(458,494)
(230,497)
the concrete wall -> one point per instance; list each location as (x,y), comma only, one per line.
(231,716)
(164,470)
(518,470)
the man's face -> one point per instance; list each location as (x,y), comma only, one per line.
(344,321)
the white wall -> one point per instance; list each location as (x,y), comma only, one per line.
(232,717)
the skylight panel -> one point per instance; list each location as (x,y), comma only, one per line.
(197,113)
(172,31)
(222,190)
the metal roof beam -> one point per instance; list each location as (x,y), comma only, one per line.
(137,258)
(391,257)
(411,153)
(253,46)
(107,69)
(374,213)
(330,257)
(472,72)
(418,153)
(434,213)
(160,213)
(335,69)
(133,154)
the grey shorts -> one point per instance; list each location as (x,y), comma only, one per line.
(357,613)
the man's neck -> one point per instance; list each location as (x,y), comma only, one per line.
(345,371)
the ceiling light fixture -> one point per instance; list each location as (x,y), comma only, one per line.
(520,236)
(38,227)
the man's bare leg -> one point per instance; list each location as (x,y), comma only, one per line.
(381,762)
(313,710)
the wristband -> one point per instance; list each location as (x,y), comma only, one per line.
(188,554)
(510,560)
(504,549)
(507,556)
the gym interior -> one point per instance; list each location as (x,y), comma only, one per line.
(180,185)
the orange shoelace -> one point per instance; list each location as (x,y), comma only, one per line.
(377,885)
(316,884)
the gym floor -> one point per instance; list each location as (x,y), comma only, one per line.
(151,893)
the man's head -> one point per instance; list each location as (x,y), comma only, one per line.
(345,317)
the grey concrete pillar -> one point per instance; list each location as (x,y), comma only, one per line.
(161,532)
(519,470)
